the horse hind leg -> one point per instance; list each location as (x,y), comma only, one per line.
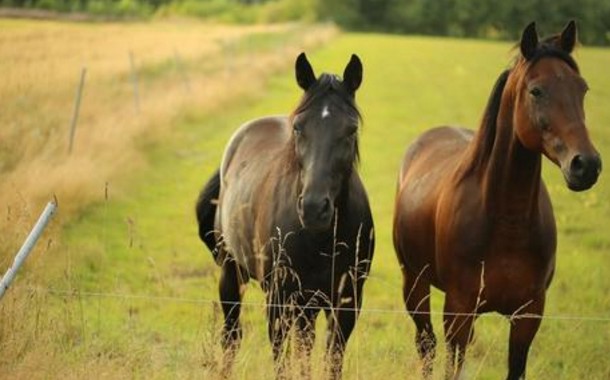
(416,295)
(205,210)
(230,291)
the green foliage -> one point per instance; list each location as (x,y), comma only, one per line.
(344,12)
(220,10)
(204,9)
(53,5)
(118,8)
(460,18)
(481,18)
(289,10)
(244,11)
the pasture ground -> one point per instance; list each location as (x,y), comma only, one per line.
(127,290)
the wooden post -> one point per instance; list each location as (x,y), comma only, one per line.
(182,71)
(134,81)
(79,94)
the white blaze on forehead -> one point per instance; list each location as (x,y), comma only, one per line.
(325,112)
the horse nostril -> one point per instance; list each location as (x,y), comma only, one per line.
(325,209)
(577,166)
(315,210)
(585,168)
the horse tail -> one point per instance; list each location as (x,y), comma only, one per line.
(206,212)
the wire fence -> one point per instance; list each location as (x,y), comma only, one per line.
(200,301)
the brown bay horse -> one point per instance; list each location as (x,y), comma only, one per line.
(287,208)
(472,214)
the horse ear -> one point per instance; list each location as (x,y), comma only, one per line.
(529,41)
(304,73)
(568,37)
(352,75)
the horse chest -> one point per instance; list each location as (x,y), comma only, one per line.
(514,235)
(301,263)
(521,237)
(517,264)
(510,282)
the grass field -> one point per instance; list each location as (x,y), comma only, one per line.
(127,290)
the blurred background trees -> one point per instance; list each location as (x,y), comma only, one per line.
(496,19)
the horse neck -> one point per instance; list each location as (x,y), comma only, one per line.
(511,178)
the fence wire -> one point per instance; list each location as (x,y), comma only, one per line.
(200,301)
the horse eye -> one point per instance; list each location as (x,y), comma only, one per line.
(298,129)
(536,92)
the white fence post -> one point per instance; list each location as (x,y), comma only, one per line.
(27,246)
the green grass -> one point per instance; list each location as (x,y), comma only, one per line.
(142,239)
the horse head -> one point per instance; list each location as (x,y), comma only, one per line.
(549,114)
(325,139)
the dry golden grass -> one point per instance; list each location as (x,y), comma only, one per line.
(181,66)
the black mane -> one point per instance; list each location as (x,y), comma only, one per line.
(487,131)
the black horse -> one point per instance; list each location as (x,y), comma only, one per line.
(288,209)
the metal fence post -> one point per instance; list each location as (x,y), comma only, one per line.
(27,246)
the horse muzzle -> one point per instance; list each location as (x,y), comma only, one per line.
(315,212)
(583,171)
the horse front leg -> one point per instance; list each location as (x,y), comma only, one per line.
(305,334)
(341,322)
(523,329)
(279,321)
(458,321)
(230,291)
(340,327)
